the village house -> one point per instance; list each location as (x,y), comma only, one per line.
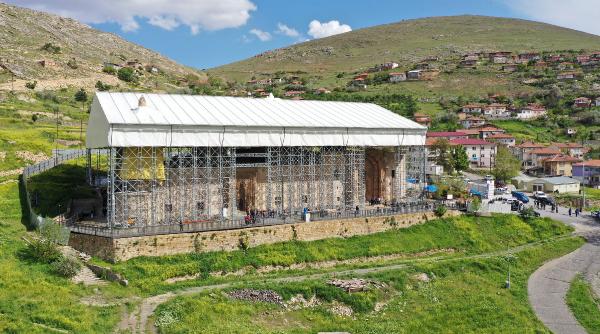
(531,111)
(502,139)
(540,65)
(540,154)
(135,64)
(496,110)
(449,135)
(481,153)
(472,122)
(587,172)
(559,164)
(523,152)
(468,63)
(359,82)
(500,57)
(571,75)
(509,68)
(488,131)
(473,108)
(573,149)
(556,184)
(422,119)
(582,102)
(397,76)
(321,90)
(293,93)
(108,64)
(389,65)
(565,66)
(470,133)
(414,75)
(528,56)
(583,59)
(555,58)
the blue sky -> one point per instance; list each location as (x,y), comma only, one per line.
(208,33)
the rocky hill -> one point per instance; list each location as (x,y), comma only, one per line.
(58,51)
(408,42)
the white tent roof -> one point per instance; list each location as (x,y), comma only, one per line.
(191,120)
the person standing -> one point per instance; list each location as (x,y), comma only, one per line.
(576,212)
(570,211)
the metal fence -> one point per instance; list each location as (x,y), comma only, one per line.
(59,157)
(256,221)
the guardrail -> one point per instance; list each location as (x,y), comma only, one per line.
(242,223)
(60,157)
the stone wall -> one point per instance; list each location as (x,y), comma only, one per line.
(119,249)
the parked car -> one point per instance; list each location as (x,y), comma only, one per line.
(500,191)
(539,194)
(520,196)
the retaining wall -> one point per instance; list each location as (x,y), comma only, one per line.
(119,249)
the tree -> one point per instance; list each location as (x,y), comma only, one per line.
(475,205)
(81,95)
(460,159)
(443,157)
(126,74)
(34,117)
(506,165)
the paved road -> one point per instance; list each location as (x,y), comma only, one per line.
(548,286)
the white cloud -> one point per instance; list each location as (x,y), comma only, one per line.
(582,15)
(262,35)
(284,29)
(317,29)
(166,14)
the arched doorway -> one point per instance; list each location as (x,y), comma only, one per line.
(372,177)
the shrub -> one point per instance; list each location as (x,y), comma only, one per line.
(31,84)
(527,213)
(72,63)
(101,86)
(127,74)
(34,118)
(43,250)
(66,266)
(51,48)
(440,211)
(109,69)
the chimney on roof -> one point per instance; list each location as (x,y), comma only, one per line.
(142,102)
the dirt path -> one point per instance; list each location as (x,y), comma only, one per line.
(137,321)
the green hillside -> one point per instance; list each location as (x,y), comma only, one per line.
(409,41)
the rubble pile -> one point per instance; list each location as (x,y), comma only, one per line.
(252,295)
(355,284)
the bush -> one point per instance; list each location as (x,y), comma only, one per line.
(72,63)
(127,74)
(81,95)
(109,69)
(527,213)
(66,266)
(440,211)
(51,48)
(43,250)
(31,84)
(101,86)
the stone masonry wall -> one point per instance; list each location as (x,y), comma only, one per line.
(120,249)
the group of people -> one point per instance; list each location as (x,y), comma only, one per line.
(577,211)
(252,215)
(542,205)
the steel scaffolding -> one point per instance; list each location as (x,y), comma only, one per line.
(153,186)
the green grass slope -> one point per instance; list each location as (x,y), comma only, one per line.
(408,42)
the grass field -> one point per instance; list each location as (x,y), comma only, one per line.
(464,235)
(32,298)
(465,296)
(584,305)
